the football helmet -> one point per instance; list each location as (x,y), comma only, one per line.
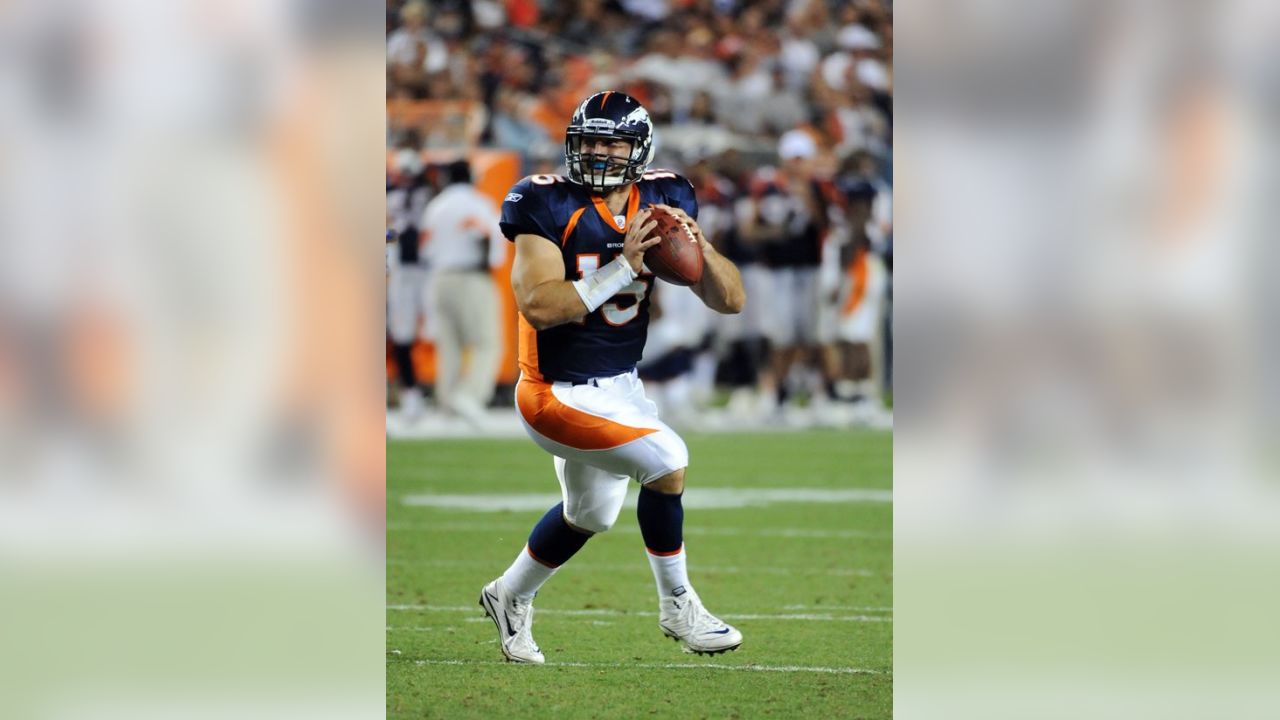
(614,115)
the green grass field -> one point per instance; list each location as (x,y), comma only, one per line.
(809,583)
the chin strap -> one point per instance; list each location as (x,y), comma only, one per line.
(596,289)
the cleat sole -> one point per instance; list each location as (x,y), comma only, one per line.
(692,651)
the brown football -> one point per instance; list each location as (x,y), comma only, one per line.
(677,259)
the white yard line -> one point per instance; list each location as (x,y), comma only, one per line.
(677,666)
(611,612)
(859,608)
(694,498)
(623,567)
(524,528)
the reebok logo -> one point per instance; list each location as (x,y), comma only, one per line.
(514,197)
(678,591)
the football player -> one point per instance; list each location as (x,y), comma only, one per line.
(407,283)
(583,295)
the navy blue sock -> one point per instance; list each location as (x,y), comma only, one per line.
(661,519)
(552,541)
(404,365)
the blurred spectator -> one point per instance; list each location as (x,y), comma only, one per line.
(671,64)
(800,54)
(744,96)
(589,25)
(510,127)
(462,244)
(649,10)
(407,309)
(857,62)
(413,52)
(522,13)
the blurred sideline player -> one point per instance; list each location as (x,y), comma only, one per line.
(583,298)
(854,320)
(407,197)
(462,245)
(786,218)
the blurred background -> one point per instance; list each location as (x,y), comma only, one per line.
(1085,468)
(191,445)
(779,112)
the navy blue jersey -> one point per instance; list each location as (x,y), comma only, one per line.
(610,340)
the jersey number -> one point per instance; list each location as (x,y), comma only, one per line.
(612,314)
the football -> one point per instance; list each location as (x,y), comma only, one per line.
(677,259)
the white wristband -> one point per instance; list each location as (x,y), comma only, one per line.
(596,289)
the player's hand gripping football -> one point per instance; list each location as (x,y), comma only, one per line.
(639,239)
(692,225)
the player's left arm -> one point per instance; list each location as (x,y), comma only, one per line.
(721,285)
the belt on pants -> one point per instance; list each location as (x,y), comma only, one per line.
(595,381)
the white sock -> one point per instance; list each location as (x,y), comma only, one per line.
(526,575)
(671,575)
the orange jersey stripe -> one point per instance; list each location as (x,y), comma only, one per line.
(570,426)
(858,273)
(573,223)
(633,204)
(527,348)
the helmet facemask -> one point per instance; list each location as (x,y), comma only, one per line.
(627,121)
(602,172)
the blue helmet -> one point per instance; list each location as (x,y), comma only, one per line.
(615,115)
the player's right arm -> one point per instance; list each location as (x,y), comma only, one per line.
(543,296)
(546,299)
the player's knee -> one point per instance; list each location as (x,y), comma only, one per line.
(574,526)
(590,523)
(671,484)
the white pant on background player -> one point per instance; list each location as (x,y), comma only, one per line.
(602,434)
(408,301)
(467,321)
(791,313)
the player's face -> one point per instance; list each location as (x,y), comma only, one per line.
(602,148)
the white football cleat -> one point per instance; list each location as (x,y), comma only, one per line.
(412,405)
(515,622)
(684,619)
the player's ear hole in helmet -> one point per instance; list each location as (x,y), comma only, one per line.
(608,115)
